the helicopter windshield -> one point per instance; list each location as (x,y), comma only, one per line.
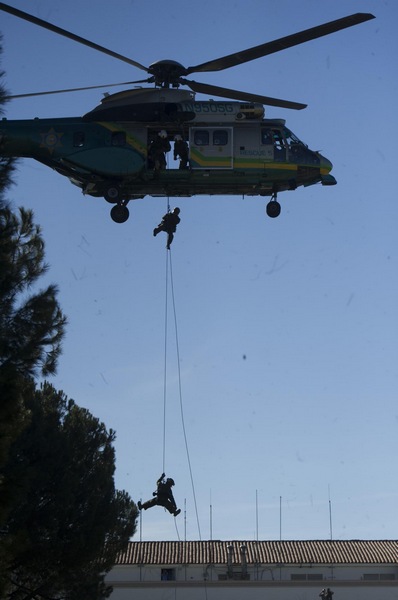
(292,139)
(298,151)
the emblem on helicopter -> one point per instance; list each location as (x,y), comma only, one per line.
(119,150)
(51,140)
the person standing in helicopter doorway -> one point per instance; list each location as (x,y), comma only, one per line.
(168,224)
(162,497)
(181,150)
(157,150)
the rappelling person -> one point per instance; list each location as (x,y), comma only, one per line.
(168,224)
(162,497)
(157,151)
(181,150)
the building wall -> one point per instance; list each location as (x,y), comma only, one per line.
(271,583)
(240,591)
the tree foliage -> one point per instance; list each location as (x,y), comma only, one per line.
(71,518)
(31,324)
(31,327)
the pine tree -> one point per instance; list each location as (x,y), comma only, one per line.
(31,330)
(31,324)
(71,518)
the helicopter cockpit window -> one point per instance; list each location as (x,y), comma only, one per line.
(201,138)
(118,138)
(78,139)
(266,137)
(220,137)
(291,139)
(279,142)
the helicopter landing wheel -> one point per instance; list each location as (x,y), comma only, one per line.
(120,213)
(273,209)
(112,194)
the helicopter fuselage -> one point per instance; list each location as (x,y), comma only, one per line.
(232,148)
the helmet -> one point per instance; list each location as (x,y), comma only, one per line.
(170,481)
(176,210)
(177,138)
(163,134)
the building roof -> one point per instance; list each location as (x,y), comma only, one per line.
(307,552)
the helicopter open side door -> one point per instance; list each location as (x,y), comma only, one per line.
(211,147)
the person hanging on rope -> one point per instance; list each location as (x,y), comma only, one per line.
(168,224)
(162,497)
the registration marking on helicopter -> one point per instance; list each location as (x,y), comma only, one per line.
(51,140)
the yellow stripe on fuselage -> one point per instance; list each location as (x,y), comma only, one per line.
(257,164)
(130,139)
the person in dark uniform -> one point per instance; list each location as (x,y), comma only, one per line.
(181,150)
(157,151)
(162,497)
(168,224)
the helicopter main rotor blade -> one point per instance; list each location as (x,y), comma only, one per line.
(204,88)
(79,89)
(27,17)
(238,58)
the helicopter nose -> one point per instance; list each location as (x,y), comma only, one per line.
(326,166)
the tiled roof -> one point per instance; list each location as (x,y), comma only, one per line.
(264,552)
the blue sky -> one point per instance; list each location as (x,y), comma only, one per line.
(287,327)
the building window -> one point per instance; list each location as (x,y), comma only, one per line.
(78,139)
(306,577)
(379,577)
(168,574)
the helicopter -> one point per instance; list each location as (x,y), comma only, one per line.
(232,149)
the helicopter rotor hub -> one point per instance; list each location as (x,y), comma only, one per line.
(166,73)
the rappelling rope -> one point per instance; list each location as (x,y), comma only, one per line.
(165,353)
(165,366)
(180,397)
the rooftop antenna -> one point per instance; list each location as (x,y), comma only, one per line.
(185,519)
(280,518)
(330,515)
(257,515)
(211,518)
